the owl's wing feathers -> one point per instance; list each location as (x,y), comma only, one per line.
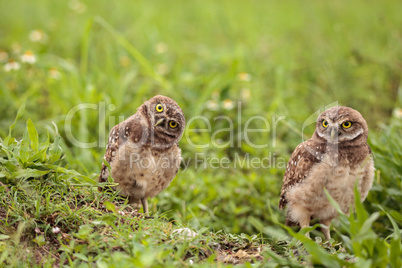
(129,129)
(300,163)
(366,181)
(112,146)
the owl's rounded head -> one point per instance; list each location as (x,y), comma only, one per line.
(166,120)
(342,125)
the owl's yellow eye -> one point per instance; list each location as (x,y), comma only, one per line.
(159,108)
(325,123)
(347,124)
(173,124)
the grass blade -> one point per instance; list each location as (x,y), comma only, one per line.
(33,135)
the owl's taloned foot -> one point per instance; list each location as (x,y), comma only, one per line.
(304,224)
(144,202)
(325,230)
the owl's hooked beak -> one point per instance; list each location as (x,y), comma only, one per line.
(160,121)
(334,135)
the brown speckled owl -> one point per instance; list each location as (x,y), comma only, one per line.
(334,158)
(143,151)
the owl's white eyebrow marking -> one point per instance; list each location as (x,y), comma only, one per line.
(351,136)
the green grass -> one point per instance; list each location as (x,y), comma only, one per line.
(278,58)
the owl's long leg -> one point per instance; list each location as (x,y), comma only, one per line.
(325,230)
(305,222)
(144,202)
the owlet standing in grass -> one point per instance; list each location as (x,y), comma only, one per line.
(143,151)
(334,158)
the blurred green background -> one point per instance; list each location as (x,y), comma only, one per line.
(277,58)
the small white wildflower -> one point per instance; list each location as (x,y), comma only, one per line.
(228,104)
(77,6)
(56,230)
(162,68)
(121,212)
(398,113)
(245,93)
(12,65)
(244,77)
(54,74)
(3,55)
(191,261)
(28,57)
(212,105)
(38,36)
(161,48)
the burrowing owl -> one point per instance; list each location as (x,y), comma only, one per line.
(334,158)
(143,151)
